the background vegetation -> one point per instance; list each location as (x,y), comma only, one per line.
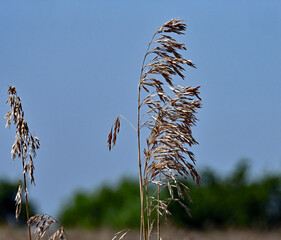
(233,200)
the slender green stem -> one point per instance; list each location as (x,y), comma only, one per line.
(147,52)
(128,122)
(26,198)
(143,230)
(158,211)
(26,206)
(143,226)
(25,193)
(147,212)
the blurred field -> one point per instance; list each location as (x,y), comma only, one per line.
(168,234)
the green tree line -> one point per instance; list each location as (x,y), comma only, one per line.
(233,200)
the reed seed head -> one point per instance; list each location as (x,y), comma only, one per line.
(42,223)
(112,136)
(170,111)
(18,201)
(25,144)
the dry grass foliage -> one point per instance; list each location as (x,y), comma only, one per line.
(42,223)
(24,148)
(25,144)
(120,235)
(168,110)
(111,140)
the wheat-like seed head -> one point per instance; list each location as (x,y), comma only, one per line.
(18,201)
(24,147)
(26,144)
(111,140)
(42,223)
(170,111)
(121,234)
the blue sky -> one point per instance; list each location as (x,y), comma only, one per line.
(76,65)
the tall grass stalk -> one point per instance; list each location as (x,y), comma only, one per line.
(25,147)
(168,111)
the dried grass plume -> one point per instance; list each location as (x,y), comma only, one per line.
(168,110)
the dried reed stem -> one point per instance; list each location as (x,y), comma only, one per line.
(26,198)
(170,116)
(169,113)
(143,230)
(158,210)
(24,148)
(27,206)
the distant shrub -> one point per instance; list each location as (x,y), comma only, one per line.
(106,207)
(233,201)
(219,202)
